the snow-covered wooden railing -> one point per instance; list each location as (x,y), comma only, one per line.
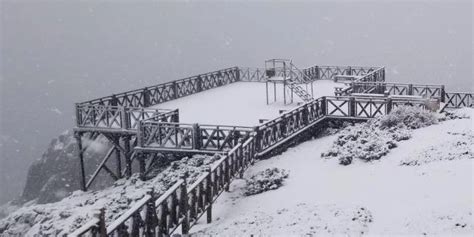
(290,124)
(331,72)
(183,205)
(394,88)
(316,73)
(458,100)
(163,92)
(94,227)
(93,117)
(154,135)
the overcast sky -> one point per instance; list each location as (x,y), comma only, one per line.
(55,53)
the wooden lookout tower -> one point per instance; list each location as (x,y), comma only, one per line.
(284,72)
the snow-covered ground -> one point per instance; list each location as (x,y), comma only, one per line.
(382,197)
(240,103)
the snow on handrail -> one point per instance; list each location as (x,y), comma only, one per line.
(168,192)
(125,216)
(88,226)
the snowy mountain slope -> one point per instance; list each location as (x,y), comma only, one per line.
(65,216)
(378,198)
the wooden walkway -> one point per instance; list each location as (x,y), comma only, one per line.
(138,134)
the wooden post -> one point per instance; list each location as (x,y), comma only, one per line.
(140,134)
(146,97)
(78,136)
(323,105)
(227,175)
(196,137)
(102,228)
(199,84)
(118,158)
(184,206)
(175,90)
(141,161)
(151,219)
(443,94)
(209,195)
(389,105)
(78,114)
(237,74)
(175,116)
(410,89)
(128,161)
(125,118)
(352,107)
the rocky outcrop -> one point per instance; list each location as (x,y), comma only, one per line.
(56,174)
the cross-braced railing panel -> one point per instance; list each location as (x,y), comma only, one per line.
(252,74)
(166,135)
(114,117)
(369,108)
(219,138)
(160,93)
(191,136)
(459,99)
(426,91)
(337,106)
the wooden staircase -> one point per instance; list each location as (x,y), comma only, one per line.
(300,91)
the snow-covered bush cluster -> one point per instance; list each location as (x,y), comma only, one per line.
(373,139)
(65,216)
(265,180)
(409,116)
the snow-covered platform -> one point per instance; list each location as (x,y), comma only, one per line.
(240,103)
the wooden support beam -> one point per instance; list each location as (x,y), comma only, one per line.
(81,160)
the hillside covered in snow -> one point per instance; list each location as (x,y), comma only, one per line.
(423,186)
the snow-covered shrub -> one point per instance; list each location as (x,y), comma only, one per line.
(268,179)
(410,116)
(374,139)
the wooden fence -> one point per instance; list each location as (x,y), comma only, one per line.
(318,73)
(119,117)
(388,88)
(165,135)
(458,99)
(330,72)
